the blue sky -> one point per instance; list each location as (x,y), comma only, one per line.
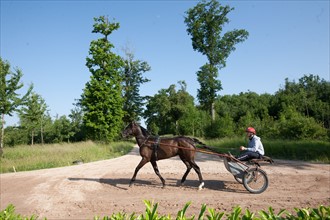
(49,42)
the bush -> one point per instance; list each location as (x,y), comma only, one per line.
(293,125)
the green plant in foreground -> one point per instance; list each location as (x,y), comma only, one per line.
(9,214)
(320,213)
(213,215)
(271,215)
(118,216)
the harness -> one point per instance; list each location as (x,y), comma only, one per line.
(155,148)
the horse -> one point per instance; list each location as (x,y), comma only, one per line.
(154,148)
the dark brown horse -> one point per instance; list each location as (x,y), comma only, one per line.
(153,148)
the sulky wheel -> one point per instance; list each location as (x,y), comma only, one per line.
(255,180)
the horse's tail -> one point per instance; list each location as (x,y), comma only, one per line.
(198,141)
(203,144)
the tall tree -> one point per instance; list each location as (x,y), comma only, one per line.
(205,23)
(132,79)
(32,116)
(102,101)
(10,100)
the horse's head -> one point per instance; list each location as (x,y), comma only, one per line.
(134,129)
(130,130)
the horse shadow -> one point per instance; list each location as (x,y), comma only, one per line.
(123,183)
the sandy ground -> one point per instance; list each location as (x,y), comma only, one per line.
(101,188)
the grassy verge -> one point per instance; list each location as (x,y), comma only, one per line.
(313,151)
(23,158)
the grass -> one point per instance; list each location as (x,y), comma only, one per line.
(313,151)
(24,158)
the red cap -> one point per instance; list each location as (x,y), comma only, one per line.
(250,129)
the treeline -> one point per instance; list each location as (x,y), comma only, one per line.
(299,110)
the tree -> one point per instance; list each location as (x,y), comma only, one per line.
(310,97)
(32,116)
(77,126)
(132,79)
(9,98)
(205,23)
(61,130)
(171,111)
(102,101)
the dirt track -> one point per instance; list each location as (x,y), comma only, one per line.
(101,188)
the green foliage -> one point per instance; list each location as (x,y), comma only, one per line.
(132,79)
(182,213)
(50,131)
(151,211)
(9,214)
(293,125)
(235,214)
(271,215)
(9,98)
(321,212)
(77,127)
(209,86)
(172,111)
(280,115)
(102,101)
(9,84)
(15,136)
(205,23)
(310,97)
(213,215)
(220,128)
(61,130)
(32,115)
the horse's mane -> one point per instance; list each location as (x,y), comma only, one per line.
(145,132)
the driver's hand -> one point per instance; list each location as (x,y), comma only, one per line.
(242,148)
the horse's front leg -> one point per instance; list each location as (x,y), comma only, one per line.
(154,165)
(138,167)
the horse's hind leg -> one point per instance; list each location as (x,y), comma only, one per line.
(187,171)
(154,165)
(199,173)
(138,167)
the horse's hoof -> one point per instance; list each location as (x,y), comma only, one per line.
(200,187)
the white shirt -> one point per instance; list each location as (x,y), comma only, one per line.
(255,145)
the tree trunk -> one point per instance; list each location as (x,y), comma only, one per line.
(42,135)
(176,127)
(2,133)
(212,112)
(32,137)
